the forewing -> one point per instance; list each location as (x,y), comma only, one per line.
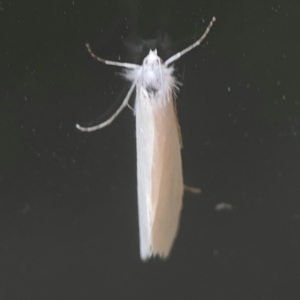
(144,143)
(167,180)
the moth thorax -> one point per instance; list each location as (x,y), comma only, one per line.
(152,73)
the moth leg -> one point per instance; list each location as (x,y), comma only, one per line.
(192,189)
(130,107)
(111,119)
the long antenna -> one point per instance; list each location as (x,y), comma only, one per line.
(109,62)
(197,43)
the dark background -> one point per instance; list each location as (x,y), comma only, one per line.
(68,200)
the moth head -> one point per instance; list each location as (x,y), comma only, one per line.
(152,59)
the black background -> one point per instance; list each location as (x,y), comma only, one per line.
(68,203)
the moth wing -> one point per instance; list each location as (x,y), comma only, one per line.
(144,145)
(159,175)
(167,179)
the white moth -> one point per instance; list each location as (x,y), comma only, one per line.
(159,167)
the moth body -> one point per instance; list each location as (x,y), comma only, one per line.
(159,170)
(158,141)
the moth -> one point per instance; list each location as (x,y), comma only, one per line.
(158,142)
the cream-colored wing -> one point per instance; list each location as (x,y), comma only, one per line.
(167,179)
(159,174)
